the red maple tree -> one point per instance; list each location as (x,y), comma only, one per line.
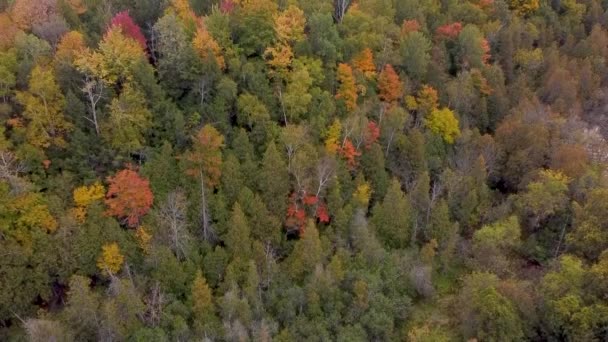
(129,197)
(372,133)
(129,27)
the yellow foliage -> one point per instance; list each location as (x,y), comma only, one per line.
(362,194)
(289,24)
(79,214)
(411,103)
(85,195)
(33,212)
(110,260)
(44,104)
(143,238)
(444,123)
(332,141)
(347,90)
(115,59)
(524,7)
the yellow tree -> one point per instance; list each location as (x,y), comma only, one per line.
(347,91)
(115,59)
(111,259)
(43,108)
(444,123)
(289,25)
(332,139)
(524,7)
(85,196)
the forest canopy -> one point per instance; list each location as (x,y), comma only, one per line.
(303,170)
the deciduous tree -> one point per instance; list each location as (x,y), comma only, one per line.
(129,197)
(44,104)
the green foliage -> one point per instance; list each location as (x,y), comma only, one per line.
(408,170)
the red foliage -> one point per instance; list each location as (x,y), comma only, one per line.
(449,31)
(371,134)
(227,6)
(310,200)
(129,197)
(129,27)
(350,153)
(300,205)
(322,213)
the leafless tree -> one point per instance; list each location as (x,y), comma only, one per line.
(93,89)
(172,217)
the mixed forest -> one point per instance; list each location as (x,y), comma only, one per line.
(303,170)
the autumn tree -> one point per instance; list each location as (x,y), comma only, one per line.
(204,162)
(26,13)
(389,85)
(364,63)
(203,306)
(129,197)
(289,25)
(129,28)
(44,104)
(206,46)
(347,91)
(111,259)
(524,7)
(115,60)
(85,196)
(444,123)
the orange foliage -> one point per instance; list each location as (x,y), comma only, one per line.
(129,197)
(70,46)
(449,31)
(8,30)
(26,13)
(279,57)
(485,45)
(347,90)
(350,153)
(206,46)
(206,156)
(409,26)
(389,85)
(184,12)
(364,63)
(289,24)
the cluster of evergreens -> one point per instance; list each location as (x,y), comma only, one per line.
(303,170)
